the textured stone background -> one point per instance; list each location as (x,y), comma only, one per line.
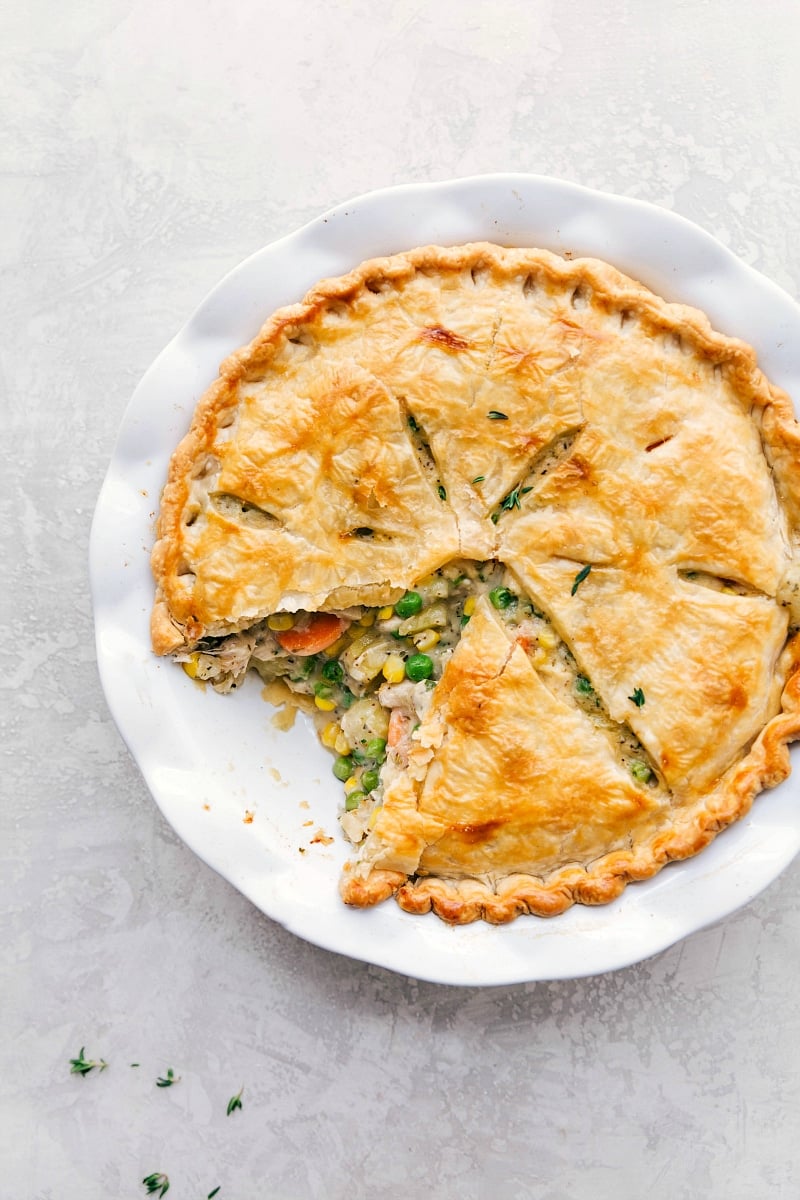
(147,149)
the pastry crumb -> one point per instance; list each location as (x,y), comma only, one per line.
(321,837)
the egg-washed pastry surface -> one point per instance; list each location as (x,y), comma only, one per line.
(524,537)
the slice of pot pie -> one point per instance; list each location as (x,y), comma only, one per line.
(524,538)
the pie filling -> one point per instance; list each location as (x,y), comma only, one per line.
(368,674)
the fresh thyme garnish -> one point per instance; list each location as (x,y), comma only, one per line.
(495,517)
(412,424)
(235,1102)
(166,1080)
(135,1064)
(479,479)
(82,1066)
(211,1195)
(494,415)
(512,499)
(638,697)
(157,1183)
(442,490)
(579,578)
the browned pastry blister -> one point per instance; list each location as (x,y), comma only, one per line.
(656,505)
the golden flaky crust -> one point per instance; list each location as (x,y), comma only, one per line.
(378,429)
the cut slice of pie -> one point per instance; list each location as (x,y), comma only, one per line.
(524,538)
(507,783)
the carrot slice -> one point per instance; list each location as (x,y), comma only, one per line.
(399,723)
(321,631)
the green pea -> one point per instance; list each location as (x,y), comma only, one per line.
(369,780)
(343,768)
(333,671)
(502,597)
(376,748)
(353,800)
(640,771)
(419,666)
(408,605)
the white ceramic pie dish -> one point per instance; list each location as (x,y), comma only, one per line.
(249,798)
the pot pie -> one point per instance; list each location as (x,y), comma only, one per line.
(523,536)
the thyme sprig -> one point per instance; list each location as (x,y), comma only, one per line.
(637,698)
(168,1079)
(82,1066)
(235,1102)
(157,1183)
(512,500)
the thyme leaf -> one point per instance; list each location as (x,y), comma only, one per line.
(579,578)
(156,1184)
(638,697)
(494,415)
(235,1102)
(479,479)
(167,1080)
(82,1066)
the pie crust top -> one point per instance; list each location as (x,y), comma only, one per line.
(637,475)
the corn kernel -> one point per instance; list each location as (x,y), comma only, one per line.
(426,640)
(329,734)
(280,621)
(324,704)
(469,606)
(333,650)
(385,613)
(394,669)
(190,667)
(350,785)
(367,619)
(341,745)
(547,638)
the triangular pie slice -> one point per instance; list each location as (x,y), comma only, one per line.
(309,497)
(505,779)
(692,668)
